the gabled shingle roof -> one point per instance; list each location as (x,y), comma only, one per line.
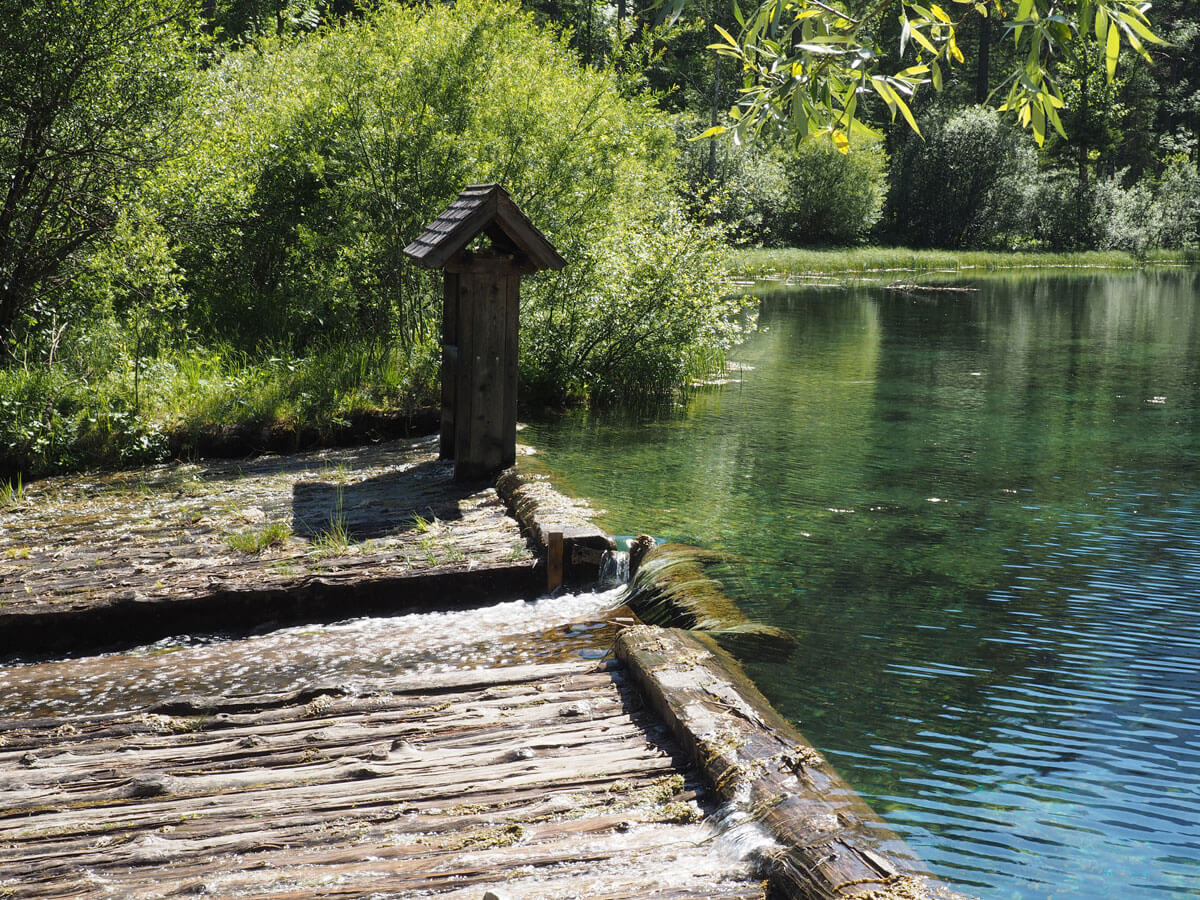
(483,208)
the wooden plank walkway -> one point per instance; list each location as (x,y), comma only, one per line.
(564,778)
(151,552)
(541,781)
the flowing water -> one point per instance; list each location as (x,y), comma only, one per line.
(347,653)
(979,512)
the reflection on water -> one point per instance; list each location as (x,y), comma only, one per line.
(506,634)
(980,513)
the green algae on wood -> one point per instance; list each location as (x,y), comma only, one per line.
(671,588)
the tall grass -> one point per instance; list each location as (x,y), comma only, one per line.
(758,263)
(207,388)
(54,420)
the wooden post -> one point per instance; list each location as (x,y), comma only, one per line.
(554,561)
(449,363)
(479,376)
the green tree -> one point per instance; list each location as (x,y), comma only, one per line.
(88,92)
(808,64)
(958,186)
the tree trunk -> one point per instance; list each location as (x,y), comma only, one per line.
(982,68)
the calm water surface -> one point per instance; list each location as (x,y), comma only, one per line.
(980,514)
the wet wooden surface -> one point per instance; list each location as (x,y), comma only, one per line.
(386,518)
(549,780)
(546,780)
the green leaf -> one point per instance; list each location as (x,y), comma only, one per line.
(725,34)
(1039,123)
(1112,50)
(923,41)
(1137,21)
(1052,114)
(1101,25)
(1023,10)
(908,116)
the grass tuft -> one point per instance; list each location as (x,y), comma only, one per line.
(256,540)
(12,493)
(333,541)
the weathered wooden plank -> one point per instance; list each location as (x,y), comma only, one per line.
(136,556)
(542,781)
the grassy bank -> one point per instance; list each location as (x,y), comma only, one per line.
(761,263)
(203,401)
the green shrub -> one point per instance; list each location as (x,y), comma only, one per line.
(737,185)
(831,198)
(814,196)
(51,422)
(1178,197)
(639,314)
(331,153)
(961,185)
(1152,213)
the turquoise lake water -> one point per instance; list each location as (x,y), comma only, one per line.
(979,513)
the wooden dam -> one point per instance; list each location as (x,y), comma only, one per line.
(624,761)
(330,675)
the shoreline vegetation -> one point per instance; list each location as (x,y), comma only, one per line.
(215,402)
(772,263)
(202,246)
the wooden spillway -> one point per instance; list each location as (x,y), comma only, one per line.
(658,771)
(550,780)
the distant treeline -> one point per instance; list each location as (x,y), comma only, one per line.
(203,206)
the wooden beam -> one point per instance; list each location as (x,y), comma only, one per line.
(554,561)
(832,844)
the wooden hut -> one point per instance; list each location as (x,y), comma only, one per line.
(480,321)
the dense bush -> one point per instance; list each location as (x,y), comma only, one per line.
(763,194)
(1150,213)
(331,153)
(733,184)
(636,315)
(832,197)
(959,186)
